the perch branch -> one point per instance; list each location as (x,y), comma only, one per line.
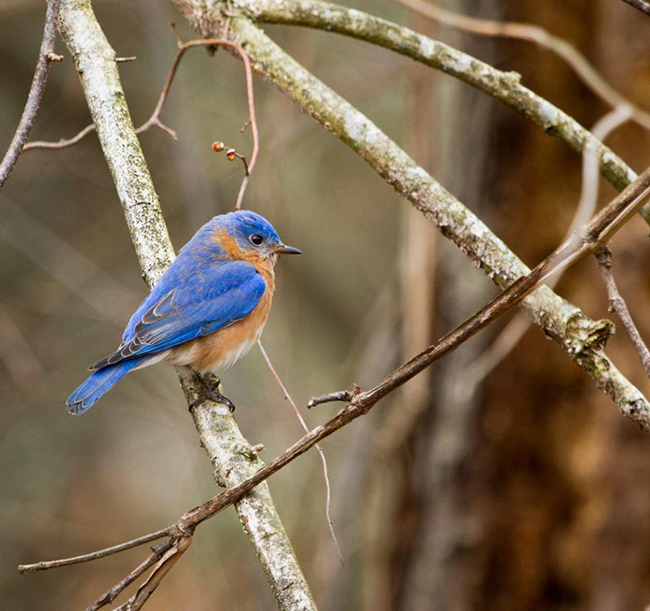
(230,453)
(45,58)
(532,33)
(617,304)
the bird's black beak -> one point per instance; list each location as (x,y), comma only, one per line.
(288,250)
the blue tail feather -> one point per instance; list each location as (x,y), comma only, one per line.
(97,385)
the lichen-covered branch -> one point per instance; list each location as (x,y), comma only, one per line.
(504,86)
(230,453)
(582,339)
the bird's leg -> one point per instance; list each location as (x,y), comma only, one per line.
(211,393)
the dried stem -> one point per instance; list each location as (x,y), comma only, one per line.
(532,33)
(617,304)
(45,58)
(102,553)
(110,595)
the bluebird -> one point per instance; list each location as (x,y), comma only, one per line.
(207,310)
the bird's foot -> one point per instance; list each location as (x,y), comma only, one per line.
(214,395)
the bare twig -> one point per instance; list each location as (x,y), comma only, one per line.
(45,58)
(110,595)
(617,304)
(532,33)
(162,567)
(642,5)
(287,396)
(102,553)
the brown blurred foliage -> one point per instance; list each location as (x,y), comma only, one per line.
(530,492)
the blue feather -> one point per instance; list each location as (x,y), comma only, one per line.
(97,385)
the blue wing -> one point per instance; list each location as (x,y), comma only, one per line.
(187,303)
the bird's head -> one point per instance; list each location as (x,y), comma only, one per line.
(250,236)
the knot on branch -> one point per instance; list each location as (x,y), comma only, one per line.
(585,335)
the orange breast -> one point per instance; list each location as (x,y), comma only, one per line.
(223,348)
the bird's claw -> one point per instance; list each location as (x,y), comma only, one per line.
(213,395)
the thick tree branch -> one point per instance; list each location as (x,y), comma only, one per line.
(581,337)
(229,451)
(504,86)
(45,58)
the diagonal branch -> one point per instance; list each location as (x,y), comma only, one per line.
(45,58)
(580,337)
(503,86)
(229,452)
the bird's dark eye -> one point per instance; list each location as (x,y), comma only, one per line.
(256,239)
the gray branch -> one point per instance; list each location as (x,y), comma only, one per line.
(581,338)
(230,453)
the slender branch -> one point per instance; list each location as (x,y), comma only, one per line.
(102,553)
(162,567)
(503,86)
(532,33)
(45,58)
(642,5)
(517,327)
(617,304)
(111,594)
(61,144)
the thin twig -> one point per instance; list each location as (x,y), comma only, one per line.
(532,33)
(102,553)
(163,566)
(617,304)
(45,58)
(642,5)
(287,396)
(110,595)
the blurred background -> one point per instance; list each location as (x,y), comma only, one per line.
(523,489)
